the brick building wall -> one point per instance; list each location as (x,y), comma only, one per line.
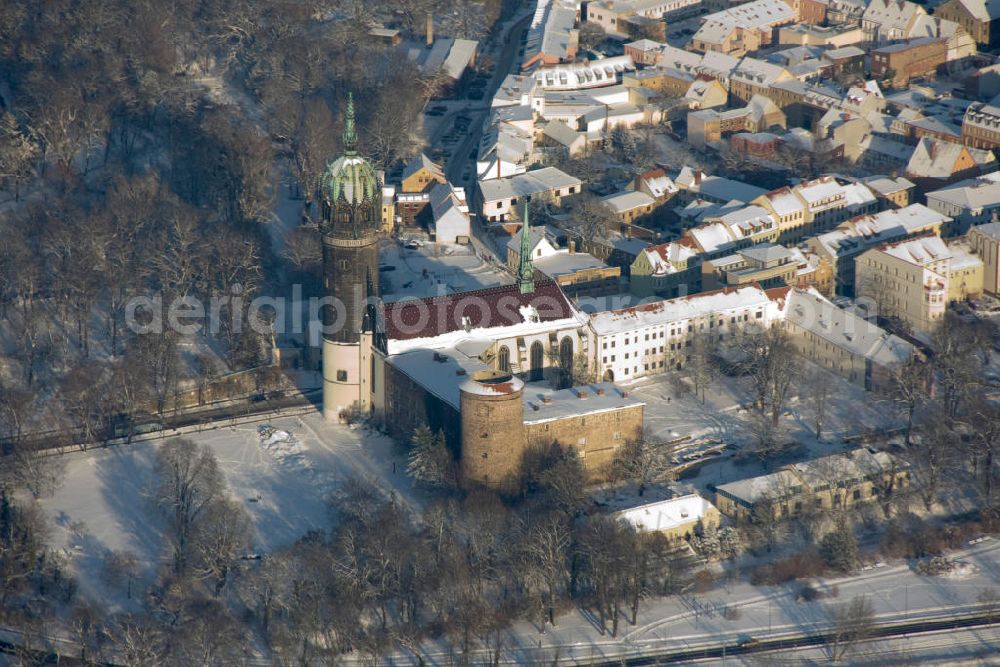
(917,59)
(596,437)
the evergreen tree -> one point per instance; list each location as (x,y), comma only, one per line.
(840,549)
(730,542)
(706,540)
(430,462)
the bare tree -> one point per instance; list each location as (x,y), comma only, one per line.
(190,484)
(852,623)
(644,460)
(139,640)
(225,534)
(817,396)
(908,387)
(933,458)
(121,569)
(313,142)
(17,154)
(767,358)
(547,551)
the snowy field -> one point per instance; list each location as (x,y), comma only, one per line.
(684,622)
(670,415)
(104,503)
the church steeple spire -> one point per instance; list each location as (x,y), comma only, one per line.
(350,134)
(525,267)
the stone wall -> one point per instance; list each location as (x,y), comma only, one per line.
(596,437)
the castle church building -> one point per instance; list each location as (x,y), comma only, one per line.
(351,219)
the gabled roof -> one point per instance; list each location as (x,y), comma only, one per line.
(422,162)
(663,258)
(658,182)
(499,306)
(982,10)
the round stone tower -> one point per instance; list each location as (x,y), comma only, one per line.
(493,440)
(351,199)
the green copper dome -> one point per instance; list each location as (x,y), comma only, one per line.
(350,177)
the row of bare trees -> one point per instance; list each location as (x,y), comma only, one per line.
(952,427)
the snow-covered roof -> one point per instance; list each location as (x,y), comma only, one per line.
(534,182)
(590,74)
(665,257)
(990,229)
(543,405)
(892,15)
(974,194)
(491,312)
(784,202)
(459,57)
(677,310)
(865,231)
(936,159)
(760,72)
(922,250)
(446,373)
(448,202)
(718,188)
(561,133)
(564,263)
(809,310)
(622,202)
(422,162)
(982,10)
(658,182)
(712,236)
(885,185)
(756,14)
(667,514)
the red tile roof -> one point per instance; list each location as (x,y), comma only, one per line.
(491,307)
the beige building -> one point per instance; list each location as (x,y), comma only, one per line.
(816,206)
(839,340)
(832,482)
(743,28)
(676,518)
(906,280)
(421,175)
(768,265)
(984,240)
(845,243)
(667,270)
(498,196)
(978,17)
(914,280)
(629,205)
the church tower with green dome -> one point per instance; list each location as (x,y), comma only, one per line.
(351,200)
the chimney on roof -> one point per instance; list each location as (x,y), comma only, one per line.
(697,176)
(582,395)
(599,391)
(430,29)
(624,393)
(546,399)
(572,247)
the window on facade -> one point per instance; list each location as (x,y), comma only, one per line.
(341,376)
(503,359)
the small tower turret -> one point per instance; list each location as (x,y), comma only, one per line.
(525,266)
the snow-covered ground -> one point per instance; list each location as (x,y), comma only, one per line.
(671,414)
(679,623)
(104,503)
